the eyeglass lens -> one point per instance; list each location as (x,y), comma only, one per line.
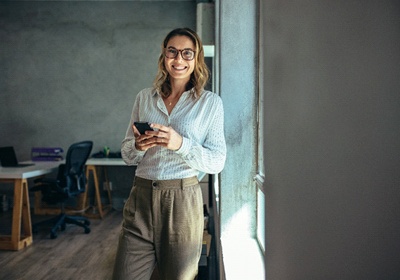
(187,54)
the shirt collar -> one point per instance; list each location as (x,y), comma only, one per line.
(156,93)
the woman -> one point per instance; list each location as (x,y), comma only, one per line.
(163,216)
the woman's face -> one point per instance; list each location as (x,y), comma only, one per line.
(178,67)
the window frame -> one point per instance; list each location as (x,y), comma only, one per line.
(259,177)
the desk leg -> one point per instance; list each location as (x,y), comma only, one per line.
(26,212)
(21,216)
(92,169)
(108,185)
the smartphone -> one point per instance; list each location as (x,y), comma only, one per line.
(142,126)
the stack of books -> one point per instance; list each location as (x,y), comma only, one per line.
(47,154)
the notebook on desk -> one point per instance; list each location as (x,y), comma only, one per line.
(8,158)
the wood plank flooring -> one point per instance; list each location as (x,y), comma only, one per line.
(72,255)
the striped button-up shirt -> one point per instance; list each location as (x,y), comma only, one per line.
(200,121)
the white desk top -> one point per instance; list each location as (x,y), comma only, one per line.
(38,169)
(45,167)
(106,161)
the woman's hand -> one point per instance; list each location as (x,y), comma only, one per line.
(164,136)
(142,142)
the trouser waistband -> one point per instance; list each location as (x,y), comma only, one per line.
(186,182)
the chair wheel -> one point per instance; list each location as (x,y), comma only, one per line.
(63,227)
(87,230)
(86,223)
(53,235)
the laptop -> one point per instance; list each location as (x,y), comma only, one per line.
(8,158)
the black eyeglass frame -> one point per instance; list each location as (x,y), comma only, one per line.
(179,51)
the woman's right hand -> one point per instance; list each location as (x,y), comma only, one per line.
(142,141)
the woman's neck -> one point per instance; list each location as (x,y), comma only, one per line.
(178,87)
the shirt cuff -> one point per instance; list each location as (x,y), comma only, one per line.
(185,147)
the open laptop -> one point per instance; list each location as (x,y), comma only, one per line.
(8,158)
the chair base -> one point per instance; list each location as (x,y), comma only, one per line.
(60,223)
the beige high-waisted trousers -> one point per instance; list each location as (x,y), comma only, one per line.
(163,225)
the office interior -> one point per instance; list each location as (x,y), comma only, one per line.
(327,72)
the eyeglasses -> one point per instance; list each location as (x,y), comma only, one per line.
(187,54)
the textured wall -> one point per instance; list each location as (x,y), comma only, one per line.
(70,71)
(237,58)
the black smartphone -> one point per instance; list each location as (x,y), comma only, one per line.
(142,126)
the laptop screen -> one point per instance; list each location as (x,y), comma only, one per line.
(8,158)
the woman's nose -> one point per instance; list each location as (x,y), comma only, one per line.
(179,56)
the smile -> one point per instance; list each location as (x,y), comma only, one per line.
(179,67)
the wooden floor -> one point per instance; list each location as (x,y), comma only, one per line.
(72,255)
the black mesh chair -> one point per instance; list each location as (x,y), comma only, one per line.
(70,182)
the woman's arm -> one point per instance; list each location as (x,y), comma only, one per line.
(210,156)
(129,153)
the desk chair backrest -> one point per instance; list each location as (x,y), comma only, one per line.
(70,182)
(71,175)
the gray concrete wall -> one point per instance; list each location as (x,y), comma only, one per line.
(70,70)
(332,132)
(236,66)
(236,60)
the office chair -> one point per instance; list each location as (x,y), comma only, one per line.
(70,182)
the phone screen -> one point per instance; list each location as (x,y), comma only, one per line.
(142,126)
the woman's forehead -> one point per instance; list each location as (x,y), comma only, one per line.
(181,42)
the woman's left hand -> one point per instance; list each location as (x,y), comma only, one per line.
(166,136)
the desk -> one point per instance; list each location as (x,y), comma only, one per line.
(21,216)
(91,211)
(91,165)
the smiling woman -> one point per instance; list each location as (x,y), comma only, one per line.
(184,51)
(179,61)
(163,216)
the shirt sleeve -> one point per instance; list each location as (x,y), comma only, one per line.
(129,153)
(210,156)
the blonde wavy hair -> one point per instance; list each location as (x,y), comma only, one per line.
(200,75)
